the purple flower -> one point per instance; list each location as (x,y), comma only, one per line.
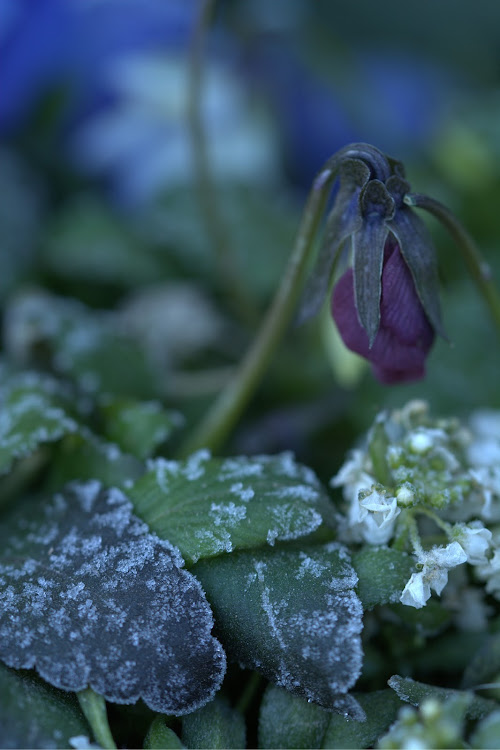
(404,337)
(386,305)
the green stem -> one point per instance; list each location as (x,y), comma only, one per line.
(477,265)
(217,232)
(231,402)
(443,525)
(94,708)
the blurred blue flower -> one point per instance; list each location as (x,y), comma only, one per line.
(48,45)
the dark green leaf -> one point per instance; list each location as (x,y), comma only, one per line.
(381,708)
(216,725)
(415,692)
(287,721)
(91,598)
(485,665)
(34,714)
(206,506)
(137,427)
(161,737)
(85,456)
(291,615)
(383,574)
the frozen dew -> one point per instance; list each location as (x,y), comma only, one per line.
(205,505)
(106,606)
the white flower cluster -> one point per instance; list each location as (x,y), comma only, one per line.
(413,468)
(472,545)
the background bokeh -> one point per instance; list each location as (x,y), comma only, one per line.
(113,272)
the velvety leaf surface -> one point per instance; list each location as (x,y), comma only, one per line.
(216,725)
(161,737)
(383,574)
(415,692)
(206,506)
(90,598)
(34,714)
(485,665)
(31,414)
(381,708)
(285,720)
(292,615)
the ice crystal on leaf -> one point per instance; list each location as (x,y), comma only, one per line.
(90,598)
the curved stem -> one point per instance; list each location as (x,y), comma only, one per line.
(94,708)
(233,399)
(477,265)
(213,219)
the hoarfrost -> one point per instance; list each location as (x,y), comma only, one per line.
(107,606)
(301,620)
(209,505)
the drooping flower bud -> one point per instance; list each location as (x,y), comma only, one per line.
(386,305)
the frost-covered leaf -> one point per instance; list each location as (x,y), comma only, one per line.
(32,412)
(138,427)
(291,614)
(87,346)
(90,598)
(34,714)
(411,691)
(285,720)
(85,456)
(206,506)
(216,725)
(383,574)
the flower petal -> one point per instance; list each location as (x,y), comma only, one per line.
(368,245)
(405,335)
(419,254)
(344,219)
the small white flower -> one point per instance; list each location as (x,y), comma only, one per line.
(474,539)
(434,574)
(351,471)
(376,513)
(488,481)
(416,592)
(444,557)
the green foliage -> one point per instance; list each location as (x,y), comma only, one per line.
(34,714)
(382,572)
(290,614)
(161,737)
(207,506)
(289,721)
(216,725)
